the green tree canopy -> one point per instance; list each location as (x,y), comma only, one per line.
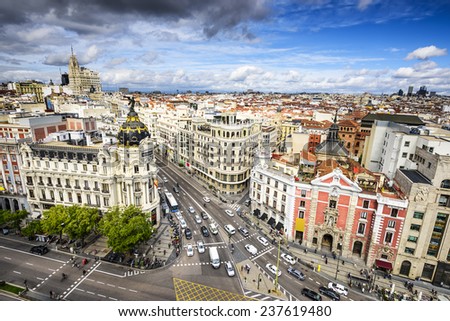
(125,228)
(54,220)
(32,228)
(15,218)
(81,221)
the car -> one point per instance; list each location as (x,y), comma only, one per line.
(289,259)
(273,269)
(176,190)
(191,210)
(342,290)
(179,215)
(190,249)
(253,250)
(247,202)
(183,223)
(39,249)
(296,273)
(200,247)
(205,215)
(229,213)
(213,229)
(204,231)
(198,219)
(262,240)
(243,231)
(188,233)
(329,293)
(165,180)
(229,228)
(230,269)
(311,294)
(206,199)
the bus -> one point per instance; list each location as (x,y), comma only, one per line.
(171,201)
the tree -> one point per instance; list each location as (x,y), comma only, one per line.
(81,222)
(54,220)
(15,218)
(125,228)
(32,228)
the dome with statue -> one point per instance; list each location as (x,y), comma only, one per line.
(132,130)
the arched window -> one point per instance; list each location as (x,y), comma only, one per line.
(445,183)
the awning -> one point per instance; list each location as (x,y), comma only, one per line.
(383,264)
(263,216)
(279,226)
(271,221)
(256,212)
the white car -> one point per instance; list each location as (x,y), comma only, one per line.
(253,250)
(183,223)
(342,290)
(179,215)
(230,269)
(200,247)
(165,180)
(229,213)
(191,210)
(206,199)
(230,229)
(273,269)
(289,259)
(198,219)
(262,240)
(190,250)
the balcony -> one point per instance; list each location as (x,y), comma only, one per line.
(77,187)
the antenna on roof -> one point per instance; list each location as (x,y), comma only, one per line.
(71,49)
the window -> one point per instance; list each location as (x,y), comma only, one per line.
(394,212)
(404,155)
(407,144)
(66,166)
(418,215)
(274,204)
(445,183)
(364,215)
(283,198)
(85,167)
(284,188)
(391,223)
(267,190)
(302,203)
(361,228)
(105,188)
(69,196)
(106,202)
(31,193)
(388,237)
(275,194)
(444,200)
(366,203)
(412,239)
(88,199)
(97,200)
(136,169)
(332,204)
(94,168)
(276,184)
(409,250)
(303,193)
(415,227)
(61,196)
(79,198)
(301,214)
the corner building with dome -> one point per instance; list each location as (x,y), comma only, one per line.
(79,168)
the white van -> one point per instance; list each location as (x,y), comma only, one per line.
(342,290)
(214,257)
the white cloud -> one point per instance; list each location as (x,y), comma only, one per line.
(242,73)
(363,4)
(426,52)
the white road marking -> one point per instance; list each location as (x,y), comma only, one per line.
(40,279)
(112,285)
(114,299)
(8,258)
(101,295)
(132,290)
(17,272)
(90,292)
(99,282)
(122,288)
(29,263)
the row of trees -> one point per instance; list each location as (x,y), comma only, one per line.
(124,227)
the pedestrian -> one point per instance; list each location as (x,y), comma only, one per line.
(84,272)
(51,294)
(326,260)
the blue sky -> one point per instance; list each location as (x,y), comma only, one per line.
(350,46)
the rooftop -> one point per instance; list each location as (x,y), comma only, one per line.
(415,176)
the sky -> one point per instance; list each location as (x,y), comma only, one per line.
(330,46)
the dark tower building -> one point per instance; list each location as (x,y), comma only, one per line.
(64,79)
(133,130)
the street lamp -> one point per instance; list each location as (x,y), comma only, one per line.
(259,279)
(277,269)
(60,233)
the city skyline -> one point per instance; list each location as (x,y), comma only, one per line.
(270,46)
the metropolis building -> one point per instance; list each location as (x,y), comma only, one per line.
(78,169)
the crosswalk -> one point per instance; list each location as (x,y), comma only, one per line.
(235,206)
(133,272)
(260,296)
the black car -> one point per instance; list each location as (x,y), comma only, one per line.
(205,231)
(311,294)
(330,293)
(296,273)
(175,189)
(204,215)
(188,233)
(39,249)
